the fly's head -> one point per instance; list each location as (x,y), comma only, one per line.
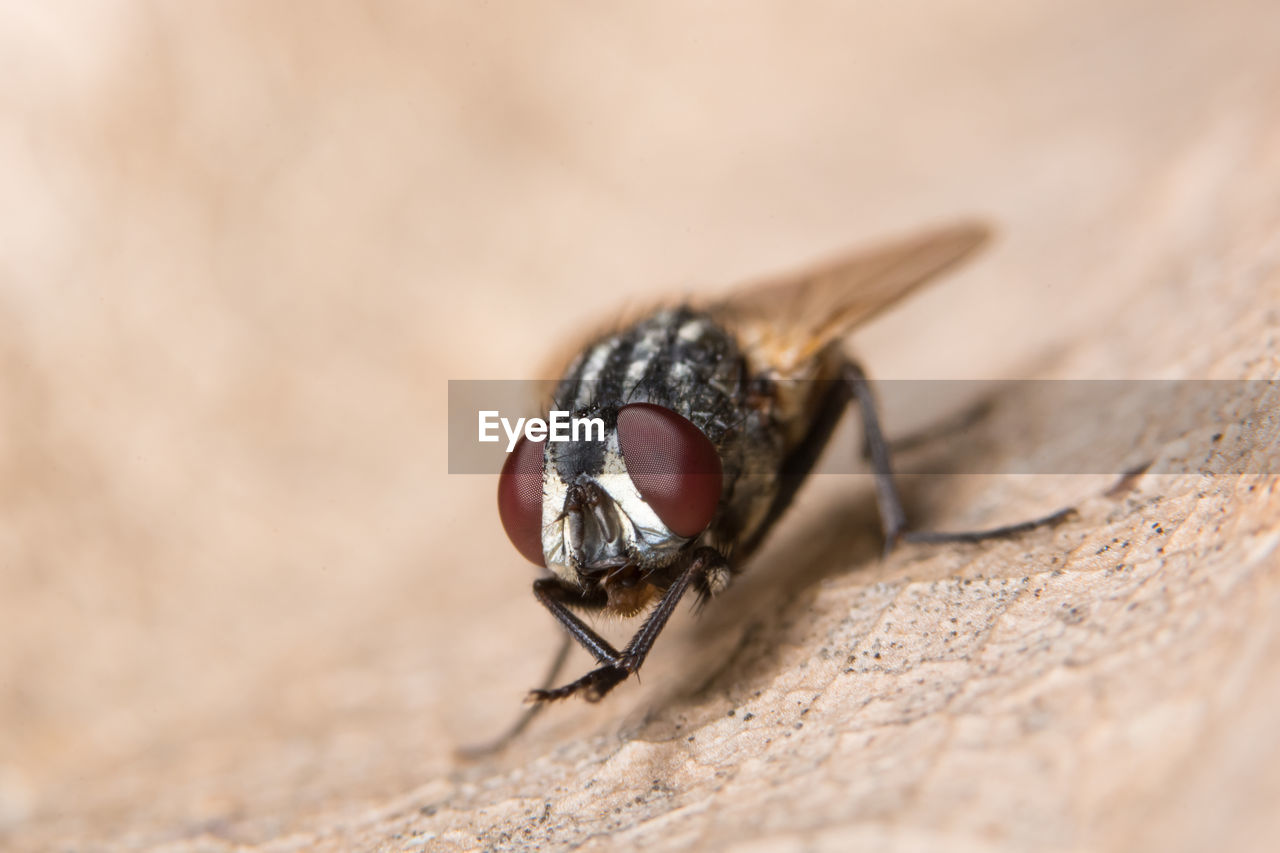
(609,512)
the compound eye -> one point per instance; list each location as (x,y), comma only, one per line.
(520,499)
(675,467)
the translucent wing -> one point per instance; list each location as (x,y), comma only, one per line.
(786,321)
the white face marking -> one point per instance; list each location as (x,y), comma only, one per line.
(618,485)
(642,531)
(555,545)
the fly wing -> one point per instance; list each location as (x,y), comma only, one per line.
(784,322)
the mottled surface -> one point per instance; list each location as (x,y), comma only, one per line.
(243,603)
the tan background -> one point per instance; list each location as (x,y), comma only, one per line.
(245,246)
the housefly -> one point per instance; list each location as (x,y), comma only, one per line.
(714,414)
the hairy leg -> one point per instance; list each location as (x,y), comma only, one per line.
(893,519)
(618,666)
(480,750)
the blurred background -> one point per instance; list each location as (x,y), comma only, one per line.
(243,247)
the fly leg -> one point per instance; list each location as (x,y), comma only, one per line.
(557,596)
(893,519)
(616,667)
(948,427)
(479,750)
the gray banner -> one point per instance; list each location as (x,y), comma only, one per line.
(944,427)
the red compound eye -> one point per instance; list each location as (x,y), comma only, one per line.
(674,466)
(520,499)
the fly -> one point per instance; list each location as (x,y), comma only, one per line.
(714,414)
